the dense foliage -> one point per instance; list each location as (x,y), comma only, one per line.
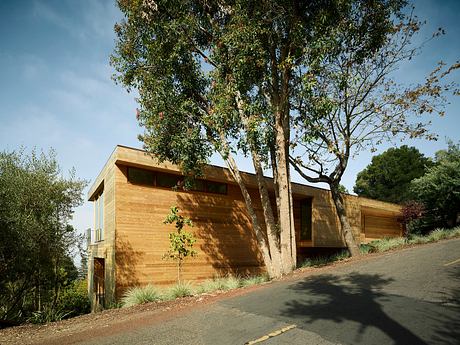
(301,83)
(388,176)
(413,212)
(37,242)
(439,190)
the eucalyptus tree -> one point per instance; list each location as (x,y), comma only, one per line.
(349,102)
(223,76)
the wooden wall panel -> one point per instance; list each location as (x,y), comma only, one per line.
(106,248)
(380,227)
(226,242)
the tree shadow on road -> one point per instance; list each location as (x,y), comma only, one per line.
(449,330)
(353,297)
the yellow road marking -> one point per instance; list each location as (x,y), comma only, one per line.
(271,335)
(452,262)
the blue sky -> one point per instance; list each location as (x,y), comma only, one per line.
(56,88)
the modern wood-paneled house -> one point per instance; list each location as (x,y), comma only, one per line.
(133,194)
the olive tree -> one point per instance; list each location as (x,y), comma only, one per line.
(36,205)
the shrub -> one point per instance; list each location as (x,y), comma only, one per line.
(48,314)
(438,190)
(74,299)
(140,295)
(412,213)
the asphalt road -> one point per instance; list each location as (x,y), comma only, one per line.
(405,297)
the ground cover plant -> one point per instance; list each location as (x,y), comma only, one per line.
(140,295)
(383,245)
(149,293)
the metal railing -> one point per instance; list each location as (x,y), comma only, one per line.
(94,235)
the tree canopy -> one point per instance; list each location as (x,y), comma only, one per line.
(388,176)
(230,77)
(439,189)
(307,84)
(351,100)
(36,205)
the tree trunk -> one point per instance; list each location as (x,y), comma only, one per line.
(275,179)
(261,240)
(270,226)
(272,233)
(344,223)
(284,195)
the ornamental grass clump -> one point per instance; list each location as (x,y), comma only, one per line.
(209,285)
(255,280)
(184,289)
(140,295)
(438,234)
(386,244)
(230,283)
(220,284)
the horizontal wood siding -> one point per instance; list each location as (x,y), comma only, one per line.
(105,249)
(226,243)
(380,222)
(380,227)
(136,238)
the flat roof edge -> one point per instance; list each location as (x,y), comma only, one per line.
(118,157)
(100,177)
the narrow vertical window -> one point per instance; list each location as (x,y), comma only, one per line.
(99,217)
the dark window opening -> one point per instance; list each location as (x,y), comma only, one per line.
(165,180)
(168,180)
(216,187)
(198,186)
(141,176)
(305,219)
